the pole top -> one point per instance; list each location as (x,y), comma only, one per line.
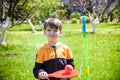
(84,24)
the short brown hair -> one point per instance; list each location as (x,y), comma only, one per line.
(53,23)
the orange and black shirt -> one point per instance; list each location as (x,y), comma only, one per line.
(52,58)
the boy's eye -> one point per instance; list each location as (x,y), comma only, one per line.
(49,30)
(56,30)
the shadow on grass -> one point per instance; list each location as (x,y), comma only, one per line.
(29,29)
(3,47)
(115,25)
(25,27)
(9,51)
(2,75)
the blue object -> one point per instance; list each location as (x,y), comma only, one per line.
(84,24)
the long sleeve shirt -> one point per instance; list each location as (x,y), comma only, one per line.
(51,59)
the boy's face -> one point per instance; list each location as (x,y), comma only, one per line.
(52,34)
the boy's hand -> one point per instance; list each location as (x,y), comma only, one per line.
(43,75)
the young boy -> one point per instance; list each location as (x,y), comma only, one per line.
(52,56)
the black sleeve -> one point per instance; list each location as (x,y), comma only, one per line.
(71,62)
(37,69)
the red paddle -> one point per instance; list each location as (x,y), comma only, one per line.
(68,72)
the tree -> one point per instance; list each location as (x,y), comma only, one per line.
(115,13)
(15,12)
(47,9)
(97,10)
(30,10)
(6,13)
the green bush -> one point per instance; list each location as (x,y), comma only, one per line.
(74,20)
(87,18)
(75,15)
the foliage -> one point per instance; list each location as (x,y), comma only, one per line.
(116,12)
(87,18)
(75,15)
(100,7)
(18,55)
(74,20)
(32,9)
(61,13)
(47,9)
(19,10)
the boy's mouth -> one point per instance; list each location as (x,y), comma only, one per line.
(52,36)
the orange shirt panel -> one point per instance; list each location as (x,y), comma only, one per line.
(47,53)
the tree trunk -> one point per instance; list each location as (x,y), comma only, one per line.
(5,24)
(2,39)
(94,22)
(93,27)
(32,26)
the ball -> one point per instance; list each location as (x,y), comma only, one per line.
(68,69)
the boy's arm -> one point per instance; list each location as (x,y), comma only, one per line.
(38,64)
(37,69)
(70,59)
(71,62)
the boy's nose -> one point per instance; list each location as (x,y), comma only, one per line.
(52,32)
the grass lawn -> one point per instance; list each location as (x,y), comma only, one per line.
(17,57)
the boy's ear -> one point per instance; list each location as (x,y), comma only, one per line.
(60,33)
(44,32)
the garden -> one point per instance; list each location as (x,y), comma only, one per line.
(21,36)
(18,55)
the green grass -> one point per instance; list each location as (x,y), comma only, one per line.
(18,55)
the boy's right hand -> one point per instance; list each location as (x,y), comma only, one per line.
(43,75)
